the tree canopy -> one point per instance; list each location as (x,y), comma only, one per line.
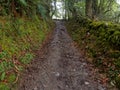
(94,9)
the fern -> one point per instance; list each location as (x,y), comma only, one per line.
(23,2)
(42,10)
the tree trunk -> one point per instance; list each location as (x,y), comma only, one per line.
(54,10)
(13,9)
(88,10)
(95,11)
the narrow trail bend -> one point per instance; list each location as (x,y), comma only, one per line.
(59,66)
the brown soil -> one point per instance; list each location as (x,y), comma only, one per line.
(60,66)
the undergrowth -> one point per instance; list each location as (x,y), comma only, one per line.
(101,43)
(18,38)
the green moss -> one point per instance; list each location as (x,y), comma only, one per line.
(4,86)
(2,77)
(11,78)
(18,38)
(26,59)
(101,42)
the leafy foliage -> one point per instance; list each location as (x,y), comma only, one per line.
(27,8)
(27,58)
(42,10)
(23,2)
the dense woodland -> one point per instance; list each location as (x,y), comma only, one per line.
(93,24)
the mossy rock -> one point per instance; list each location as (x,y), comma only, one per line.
(4,86)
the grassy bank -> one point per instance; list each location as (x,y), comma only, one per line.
(18,38)
(100,42)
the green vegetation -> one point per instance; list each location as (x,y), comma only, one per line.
(4,86)
(94,25)
(24,25)
(18,38)
(101,42)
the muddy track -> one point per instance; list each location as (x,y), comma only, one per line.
(59,66)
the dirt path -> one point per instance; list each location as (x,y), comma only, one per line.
(59,67)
